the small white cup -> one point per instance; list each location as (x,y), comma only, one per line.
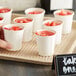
(28,28)
(38,18)
(46,44)
(57,28)
(67,21)
(6,16)
(14,37)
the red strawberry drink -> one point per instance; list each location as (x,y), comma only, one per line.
(55,25)
(37,14)
(22,20)
(6,14)
(45,42)
(14,34)
(28,27)
(67,17)
(4,10)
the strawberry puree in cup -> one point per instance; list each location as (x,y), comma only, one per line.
(45,42)
(55,25)
(23,20)
(4,10)
(14,34)
(6,14)
(64,13)
(67,17)
(37,14)
(28,27)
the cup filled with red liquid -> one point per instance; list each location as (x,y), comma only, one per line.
(28,27)
(45,42)
(13,34)
(6,13)
(37,14)
(67,17)
(55,25)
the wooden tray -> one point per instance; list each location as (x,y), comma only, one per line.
(29,52)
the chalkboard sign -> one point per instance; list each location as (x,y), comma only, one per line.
(65,65)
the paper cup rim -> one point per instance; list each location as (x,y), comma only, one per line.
(52,20)
(13,25)
(45,30)
(6,12)
(65,15)
(22,17)
(27,10)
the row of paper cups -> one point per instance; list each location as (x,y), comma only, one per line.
(46,44)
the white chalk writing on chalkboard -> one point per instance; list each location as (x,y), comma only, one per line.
(69,69)
(70,60)
(67,62)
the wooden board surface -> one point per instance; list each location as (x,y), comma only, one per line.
(29,51)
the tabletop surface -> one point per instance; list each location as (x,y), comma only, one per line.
(12,68)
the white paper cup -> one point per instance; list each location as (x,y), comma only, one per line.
(38,18)
(14,37)
(57,28)
(28,29)
(6,16)
(67,21)
(46,44)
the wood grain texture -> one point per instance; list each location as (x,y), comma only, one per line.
(29,51)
